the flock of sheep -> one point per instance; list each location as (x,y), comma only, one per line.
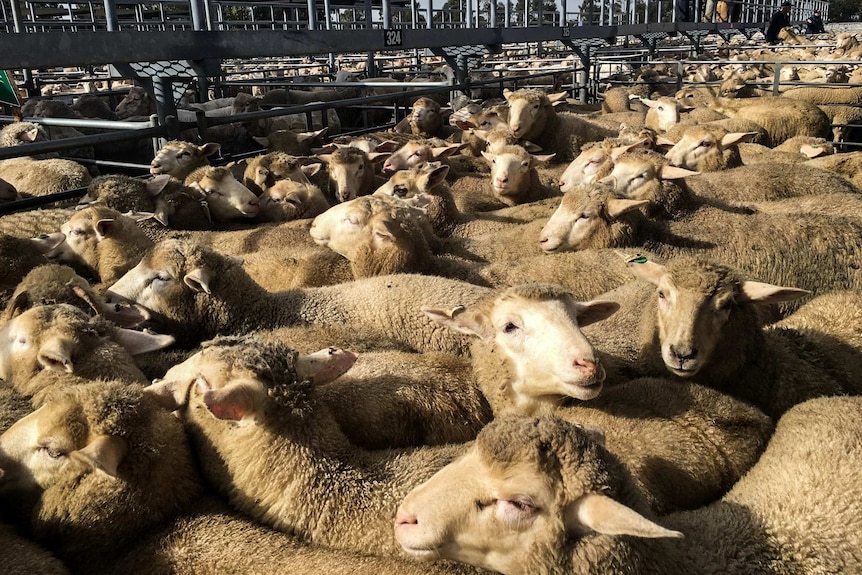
(523,335)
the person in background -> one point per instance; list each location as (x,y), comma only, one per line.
(780,19)
(814,24)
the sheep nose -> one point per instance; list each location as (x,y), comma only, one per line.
(591,367)
(404,518)
(683,353)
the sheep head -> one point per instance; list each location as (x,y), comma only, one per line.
(588,217)
(524,498)
(512,170)
(536,328)
(700,307)
(179,159)
(240,378)
(351,171)
(706,150)
(226,198)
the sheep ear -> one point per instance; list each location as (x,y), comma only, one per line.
(620,150)
(531,147)
(543,158)
(46,243)
(593,311)
(617,207)
(558,97)
(462,320)
(123,314)
(161,214)
(737,138)
(170,395)
(648,102)
(489,157)
(437,176)
(54,354)
(156,184)
(763,293)
(387,146)
(507,93)
(263,141)
(811,151)
(199,280)
(465,125)
(311,169)
(446,151)
(231,402)
(382,235)
(19,304)
(104,454)
(377,157)
(641,267)
(104,228)
(325,158)
(87,297)
(325,365)
(138,342)
(30,135)
(210,149)
(601,514)
(662,141)
(675,173)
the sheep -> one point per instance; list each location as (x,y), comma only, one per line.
(645,175)
(810,251)
(179,159)
(21,556)
(199,294)
(351,172)
(297,144)
(92,106)
(842,115)
(136,104)
(103,242)
(249,399)
(595,161)
(848,164)
(826,95)
(781,118)
(54,283)
(209,539)
(415,152)
(93,468)
(226,198)
(701,326)
(262,172)
(552,500)
(59,109)
(739,125)
(708,150)
(171,203)
(514,178)
(18,256)
(532,117)
(62,338)
(290,200)
(18,133)
(8,192)
(425,120)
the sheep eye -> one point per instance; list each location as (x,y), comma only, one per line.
(480,505)
(400,191)
(52,451)
(183,154)
(510,328)
(485,123)
(660,294)
(162,277)
(361,167)
(661,108)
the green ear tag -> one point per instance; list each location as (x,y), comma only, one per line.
(638,260)
(42,237)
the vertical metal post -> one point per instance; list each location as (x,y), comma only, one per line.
(198,20)
(312,16)
(16,16)
(507,14)
(430,16)
(492,13)
(387,13)
(468,13)
(776,79)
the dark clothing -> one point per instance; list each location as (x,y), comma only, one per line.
(814,25)
(779,21)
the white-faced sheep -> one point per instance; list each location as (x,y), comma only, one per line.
(288,200)
(226,198)
(262,172)
(810,251)
(103,242)
(426,120)
(781,118)
(8,192)
(179,159)
(351,172)
(297,144)
(136,104)
(848,164)
(533,118)
(701,325)
(199,294)
(708,150)
(95,467)
(551,500)
(248,399)
(19,255)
